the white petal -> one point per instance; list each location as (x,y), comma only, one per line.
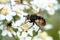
(35,27)
(30,24)
(19,29)
(24,14)
(22,20)
(1,6)
(24,2)
(56,7)
(39,31)
(13,2)
(8,18)
(9,34)
(2,17)
(18,34)
(14,33)
(37,38)
(4,32)
(12,13)
(51,12)
(30,31)
(28,38)
(1,27)
(59,32)
(48,26)
(49,38)
(18,22)
(14,25)
(21,38)
(24,34)
(21,7)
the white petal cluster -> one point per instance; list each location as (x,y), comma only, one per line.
(49,5)
(13,23)
(42,36)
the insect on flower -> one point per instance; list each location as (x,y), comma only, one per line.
(35,19)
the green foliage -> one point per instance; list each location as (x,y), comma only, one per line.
(16,17)
(34,33)
(58,1)
(0,35)
(29,11)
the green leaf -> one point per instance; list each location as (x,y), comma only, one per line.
(29,11)
(0,35)
(34,33)
(16,17)
(15,30)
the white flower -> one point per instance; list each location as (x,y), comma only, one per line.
(35,27)
(20,7)
(39,3)
(16,24)
(2,17)
(21,38)
(1,6)
(39,31)
(1,27)
(13,2)
(18,34)
(6,32)
(24,34)
(28,38)
(48,26)
(20,21)
(30,31)
(11,13)
(49,38)
(9,34)
(51,12)
(5,13)
(24,2)
(37,38)
(59,32)
(43,35)
(19,29)
(48,5)
(7,17)
(30,24)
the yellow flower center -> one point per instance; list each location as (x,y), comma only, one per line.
(43,35)
(18,11)
(3,1)
(4,11)
(10,29)
(50,4)
(24,27)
